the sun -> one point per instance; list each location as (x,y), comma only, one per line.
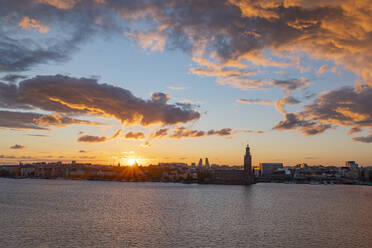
(131,161)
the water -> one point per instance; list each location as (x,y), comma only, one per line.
(65,213)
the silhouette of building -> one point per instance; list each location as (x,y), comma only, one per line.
(269,168)
(244,176)
(200,164)
(351,164)
(206,163)
(247,159)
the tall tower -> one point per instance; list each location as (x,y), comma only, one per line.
(206,162)
(248,165)
(200,164)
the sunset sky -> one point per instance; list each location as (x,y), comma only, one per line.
(108,81)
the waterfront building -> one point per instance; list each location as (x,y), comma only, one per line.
(231,176)
(269,168)
(206,163)
(351,164)
(200,164)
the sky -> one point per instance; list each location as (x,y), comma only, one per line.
(109,81)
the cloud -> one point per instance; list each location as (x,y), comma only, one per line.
(287,100)
(160,133)
(134,135)
(292,121)
(255,101)
(342,107)
(366,139)
(176,88)
(354,130)
(61,121)
(18,147)
(183,132)
(60,4)
(151,40)
(29,120)
(29,23)
(323,69)
(13,77)
(85,96)
(280,104)
(19,120)
(37,135)
(82,151)
(247,131)
(97,139)
(221,132)
(7,156)
(228,41)
(290,85)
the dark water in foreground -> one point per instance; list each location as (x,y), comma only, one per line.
(63,213)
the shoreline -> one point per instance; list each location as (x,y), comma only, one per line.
(315,183)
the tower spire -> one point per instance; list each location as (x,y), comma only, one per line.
(248,164)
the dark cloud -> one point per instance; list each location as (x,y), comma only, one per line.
(85,96)
(82,151)
(13,77)
(21,51)
(221,132)
(134,135)
(17,147)
(61,121)
(366,139)
(7,156)
(292,121)
(354,130)
(292,84)
(345,106)
(228,41)
(19,120)
(92,139)
(183,132)
(160,133)
(28,120)
(342,107)
(97,139)
(37,135)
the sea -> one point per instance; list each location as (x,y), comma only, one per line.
(78,213)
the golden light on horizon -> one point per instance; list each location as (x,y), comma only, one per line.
(132,161)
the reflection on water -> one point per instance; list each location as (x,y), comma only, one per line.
(64,213)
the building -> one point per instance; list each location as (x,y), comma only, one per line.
(230,176)
(207,163)
(248,164)
(200,164)
(269,168)
(351,164)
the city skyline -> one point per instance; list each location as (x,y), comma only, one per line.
(109,82)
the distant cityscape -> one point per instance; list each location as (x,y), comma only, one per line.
(350,173)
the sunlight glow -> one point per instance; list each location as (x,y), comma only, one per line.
(132,161)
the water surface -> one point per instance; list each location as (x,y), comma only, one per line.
(68,213)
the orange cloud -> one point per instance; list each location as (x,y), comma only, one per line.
(134,135)
(62,4)
(84,96)
(29,23)
(98,139)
